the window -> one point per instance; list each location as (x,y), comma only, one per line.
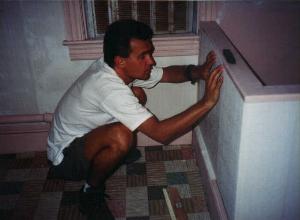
(176,29)
(164,17)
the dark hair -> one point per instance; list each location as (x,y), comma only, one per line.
(118,35)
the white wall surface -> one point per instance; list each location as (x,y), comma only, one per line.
(168,99)
(221,133)
(35,68)
(254,147)
(269,162)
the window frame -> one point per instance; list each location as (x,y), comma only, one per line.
(82,48)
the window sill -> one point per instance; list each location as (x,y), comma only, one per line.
(165,46)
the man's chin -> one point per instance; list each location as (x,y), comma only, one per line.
(147,75)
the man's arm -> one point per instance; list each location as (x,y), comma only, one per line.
(166,130)
(176,74)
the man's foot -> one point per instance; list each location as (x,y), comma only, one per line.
(101,213)
(91,198)
(133,155)
(92,203)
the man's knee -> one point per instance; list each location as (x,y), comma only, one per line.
(140,94)
(116,136)
(122,136)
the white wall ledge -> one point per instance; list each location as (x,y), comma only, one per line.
(250,88)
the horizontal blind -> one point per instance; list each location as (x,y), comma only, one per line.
(143,11)
(102,15)
(180,15)
(124,10)
(162,16)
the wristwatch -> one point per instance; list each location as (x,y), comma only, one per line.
(188,73)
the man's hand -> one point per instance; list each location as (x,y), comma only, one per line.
(166,130)
(203,70)
(177,74)
(212,86)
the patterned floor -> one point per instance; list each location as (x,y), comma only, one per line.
(135,190)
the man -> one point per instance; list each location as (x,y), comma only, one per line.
(95,123)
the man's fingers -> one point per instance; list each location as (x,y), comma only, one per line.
(220,82)
(211,53)
(210,62)
(211,56)
(216,73)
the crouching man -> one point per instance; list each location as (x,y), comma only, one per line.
(95,123)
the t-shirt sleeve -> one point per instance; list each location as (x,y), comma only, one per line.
(155,77)
(124,106)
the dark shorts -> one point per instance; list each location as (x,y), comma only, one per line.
(74,165)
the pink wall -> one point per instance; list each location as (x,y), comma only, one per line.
(268,35)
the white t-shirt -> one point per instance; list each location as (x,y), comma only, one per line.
(97,98)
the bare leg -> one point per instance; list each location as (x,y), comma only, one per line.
(105,147)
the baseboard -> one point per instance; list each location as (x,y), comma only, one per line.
(215,203)
(24,133)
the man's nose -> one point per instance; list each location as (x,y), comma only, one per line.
(151,61)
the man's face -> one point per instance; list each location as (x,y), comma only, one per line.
(140,61)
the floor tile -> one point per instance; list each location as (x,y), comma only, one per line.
(136,180)
(9,188)
(156,192)
(176,178)
(183,190)
(116,187)
(17,175)
(69,198)
(137,202)
(162,217)
(180,165)
(53,185)
(153,148)
(158,208)
(8,201)
(48,206)
(199,216)
(156,174)
(136,169)
(135,190)
(21,163)
(138,218)
(117,207)
(70,212)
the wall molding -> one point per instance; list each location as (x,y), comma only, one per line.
(24,133)
(165,46)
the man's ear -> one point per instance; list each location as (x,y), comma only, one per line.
(119,61)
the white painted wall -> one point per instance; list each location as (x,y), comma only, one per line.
(220,134)
(35,69)
(253,147)
(268,169)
